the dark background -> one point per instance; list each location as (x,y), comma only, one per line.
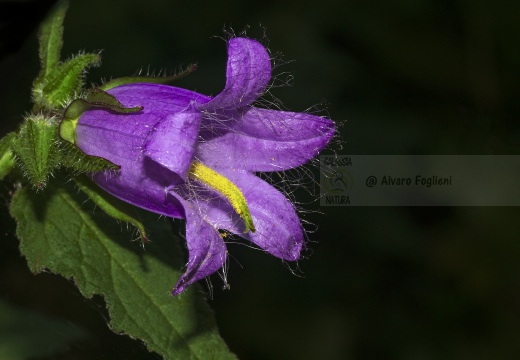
(401,77)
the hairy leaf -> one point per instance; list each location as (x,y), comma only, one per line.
(60,231)
(65,81)
(51,39)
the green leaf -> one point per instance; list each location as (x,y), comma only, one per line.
(61,232)
(148,79)
(26,334)
(112,206)
(64,81)
(36,146)
(6,155)
(51,39)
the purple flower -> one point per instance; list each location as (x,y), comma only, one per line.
(194,157)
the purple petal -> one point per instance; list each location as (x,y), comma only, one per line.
(121,139)
(268,140)
(117,136)
(278,228)
(134,186)
(172,142)
(207,251)
(248,73)
(156,98)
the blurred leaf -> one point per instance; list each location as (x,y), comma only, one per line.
(6,155)
(25,334)
(60,231)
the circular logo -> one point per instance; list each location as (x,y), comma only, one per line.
(338,181)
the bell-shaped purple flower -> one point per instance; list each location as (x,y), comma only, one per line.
(194,157)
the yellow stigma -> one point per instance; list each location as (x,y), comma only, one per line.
(226,188)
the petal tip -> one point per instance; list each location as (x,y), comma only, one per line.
(248,73)
(179,287)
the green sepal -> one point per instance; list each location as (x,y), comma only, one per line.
(95,98)
(36,148)
(79,162)
(7,160)
(50,36)
(112,206)
(148,79)
(57,82)
(39,151)
(100,98)
(63,82)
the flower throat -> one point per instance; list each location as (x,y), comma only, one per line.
(226,188)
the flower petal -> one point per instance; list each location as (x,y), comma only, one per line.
(278,228)
(133,185)
(267,140)
(248,73)
(121,138)
(156,98)
(207,251)
(173,140)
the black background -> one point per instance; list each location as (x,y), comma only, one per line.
(401,77)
